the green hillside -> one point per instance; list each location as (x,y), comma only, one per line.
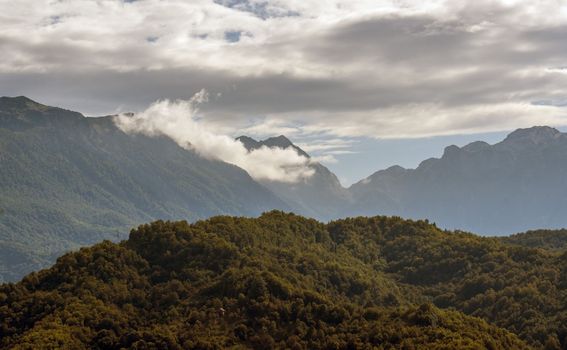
(68,181)
(283,281)
(546,239)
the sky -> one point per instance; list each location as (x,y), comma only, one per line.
(359,84)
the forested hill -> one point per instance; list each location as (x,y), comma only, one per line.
(283,281)
(547,239)
(68,181)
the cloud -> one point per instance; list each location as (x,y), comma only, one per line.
(262,9)
(338,146)
(179,121)
(430,119)
(271,126)
(381,69)
(327,158)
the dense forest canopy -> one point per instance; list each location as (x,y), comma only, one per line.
(284,281)
(547,239)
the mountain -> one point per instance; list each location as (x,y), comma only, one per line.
(67,181)
(284,281)
(272,142)
(515,185)
(319,196)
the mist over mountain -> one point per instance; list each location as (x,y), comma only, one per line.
(319,196)
(68,181)
(188,197)
(280,280)
(515,185)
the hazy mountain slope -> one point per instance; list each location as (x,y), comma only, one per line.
(319,196)
(279,281)
(515,185)
(67,180)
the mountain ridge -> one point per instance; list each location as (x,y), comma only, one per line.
(511,186)
(478,187)
(320,196)
(280,141)
(68,180)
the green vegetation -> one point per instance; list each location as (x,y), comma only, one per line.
(283,281)
(546,239)
(67,181)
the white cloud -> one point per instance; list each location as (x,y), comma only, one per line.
(178,120)
(430,119)
(270,127)
(338,146)
(326,158)
(390,68)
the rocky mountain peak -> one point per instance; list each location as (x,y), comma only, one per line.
(278,141)
(534,135)
(248,142)
(272,142)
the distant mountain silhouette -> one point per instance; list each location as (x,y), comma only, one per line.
(515,185)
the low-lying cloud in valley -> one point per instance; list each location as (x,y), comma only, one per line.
(179,120)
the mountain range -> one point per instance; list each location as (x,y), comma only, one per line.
(515,185)
(67,181)
(512,186)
